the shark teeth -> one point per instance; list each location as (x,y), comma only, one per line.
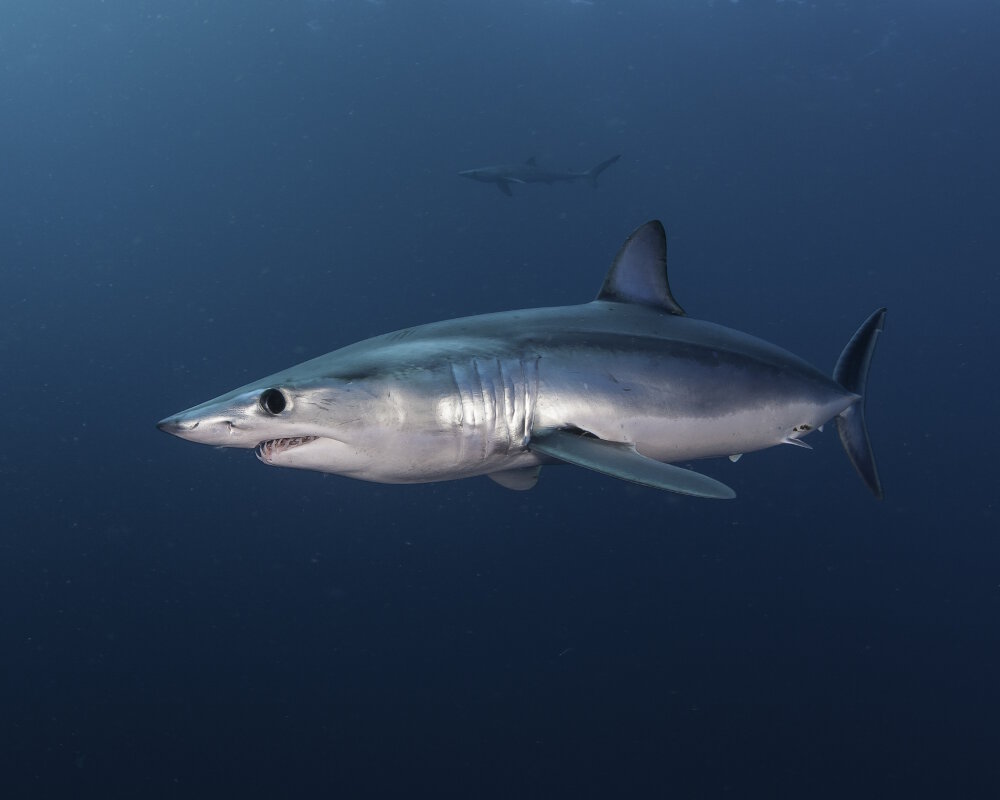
(266,451)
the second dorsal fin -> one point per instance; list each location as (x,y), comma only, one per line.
(639,272)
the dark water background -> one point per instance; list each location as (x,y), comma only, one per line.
(194,194)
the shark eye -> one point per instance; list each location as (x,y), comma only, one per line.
(272,401)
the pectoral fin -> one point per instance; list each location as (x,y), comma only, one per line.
(623,461)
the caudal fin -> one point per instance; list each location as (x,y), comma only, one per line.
(593,172)
(851,372)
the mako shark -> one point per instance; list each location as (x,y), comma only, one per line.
(503,175)
(623,385)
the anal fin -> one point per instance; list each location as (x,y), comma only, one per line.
(624,462)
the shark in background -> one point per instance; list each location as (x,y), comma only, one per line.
(503,175)
(623,385)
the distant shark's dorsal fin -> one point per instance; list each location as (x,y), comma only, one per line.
(639,272)
(531,162)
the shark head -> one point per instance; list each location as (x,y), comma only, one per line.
(310,422)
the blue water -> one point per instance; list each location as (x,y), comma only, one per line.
(195,194)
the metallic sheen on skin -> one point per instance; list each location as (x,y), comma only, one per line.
(619,385)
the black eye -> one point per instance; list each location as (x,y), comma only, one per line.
(273,401)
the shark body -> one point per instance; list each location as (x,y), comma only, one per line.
(503,175)
(622,385)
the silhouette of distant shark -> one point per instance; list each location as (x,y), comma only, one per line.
(503,175)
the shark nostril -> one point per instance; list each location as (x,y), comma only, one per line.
(175,425)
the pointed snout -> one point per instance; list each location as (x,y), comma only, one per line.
(216,423)
(177,425)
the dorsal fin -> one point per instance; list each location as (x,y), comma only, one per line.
(639,272)
(531,162)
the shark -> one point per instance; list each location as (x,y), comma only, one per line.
(627,385)
(503,175)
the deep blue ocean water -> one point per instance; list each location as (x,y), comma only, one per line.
(195,194)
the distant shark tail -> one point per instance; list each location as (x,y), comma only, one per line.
(592,173)
(851,372)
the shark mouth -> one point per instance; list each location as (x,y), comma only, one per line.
(266,451)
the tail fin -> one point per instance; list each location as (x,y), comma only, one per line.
(592,173)
(851,372)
